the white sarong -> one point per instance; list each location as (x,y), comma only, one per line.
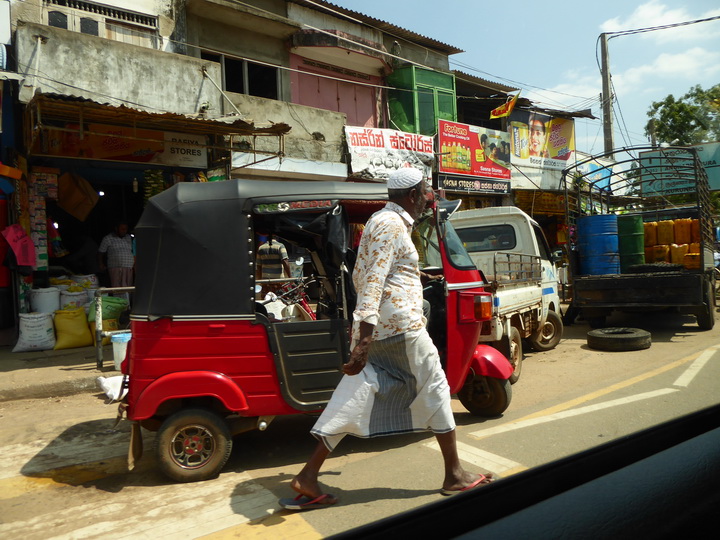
(402,389)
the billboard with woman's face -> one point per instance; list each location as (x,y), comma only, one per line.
(540,140)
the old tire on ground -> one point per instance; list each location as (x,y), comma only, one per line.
(548,335)
(193,445)
(485,396)
(618,339)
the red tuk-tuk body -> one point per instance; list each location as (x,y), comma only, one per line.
(206,361)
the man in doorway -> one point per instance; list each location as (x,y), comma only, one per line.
(115,255)
(393,380)
(272,259)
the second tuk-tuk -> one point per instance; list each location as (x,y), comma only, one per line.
(206,362)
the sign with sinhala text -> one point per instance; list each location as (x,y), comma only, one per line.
(375,153)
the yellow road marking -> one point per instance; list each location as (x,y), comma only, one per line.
(280,525)
(73,475)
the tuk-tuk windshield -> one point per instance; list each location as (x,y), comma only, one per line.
(427,242)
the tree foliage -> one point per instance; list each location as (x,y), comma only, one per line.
(692,119)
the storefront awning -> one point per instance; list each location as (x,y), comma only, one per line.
(45,107)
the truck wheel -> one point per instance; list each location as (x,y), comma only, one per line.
(548,335)
(193,445)
(706,318)
(618,339)
(485,396)
(511,348)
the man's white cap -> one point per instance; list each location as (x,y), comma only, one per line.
(405,177)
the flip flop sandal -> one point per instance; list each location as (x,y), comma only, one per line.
(302,502)
(482,481)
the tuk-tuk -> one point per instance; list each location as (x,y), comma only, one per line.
(206,361)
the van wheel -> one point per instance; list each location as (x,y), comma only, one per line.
(193,445)
(548,335)
(511,347)
(485,396)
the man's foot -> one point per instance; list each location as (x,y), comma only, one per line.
(306,486)
(310,495)
(468,482)
(302,502)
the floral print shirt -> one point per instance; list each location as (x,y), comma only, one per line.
(386,275)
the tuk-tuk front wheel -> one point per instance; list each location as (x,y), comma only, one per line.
(193,445)
(485,396)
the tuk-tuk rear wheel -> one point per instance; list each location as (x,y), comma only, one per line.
(193,445)
(485,396)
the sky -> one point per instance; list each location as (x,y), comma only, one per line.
(550,50)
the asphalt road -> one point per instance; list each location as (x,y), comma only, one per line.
(64,473)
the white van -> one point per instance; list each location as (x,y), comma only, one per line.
(511,251)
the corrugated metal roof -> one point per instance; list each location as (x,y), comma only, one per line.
(384,26)
(492,85)
(69,108)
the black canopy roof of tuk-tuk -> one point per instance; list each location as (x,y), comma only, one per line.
(195,241)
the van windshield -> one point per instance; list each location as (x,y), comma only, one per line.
(488,238)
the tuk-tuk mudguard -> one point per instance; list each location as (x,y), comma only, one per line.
(489,362)
(188,384)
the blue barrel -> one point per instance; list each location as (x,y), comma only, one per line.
(598,245)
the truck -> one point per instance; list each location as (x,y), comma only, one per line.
(511,251)
(654,186)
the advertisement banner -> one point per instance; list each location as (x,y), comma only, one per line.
(665,179)
(598,174)
(473,151)
(122,143)
(539,140)
(375,153)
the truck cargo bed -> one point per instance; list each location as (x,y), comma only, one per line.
(659,289)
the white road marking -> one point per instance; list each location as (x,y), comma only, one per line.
(481,458)
(512,426)
(689,374)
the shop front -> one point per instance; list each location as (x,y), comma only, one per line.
(90,166)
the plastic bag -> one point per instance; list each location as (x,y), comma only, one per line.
(112,387)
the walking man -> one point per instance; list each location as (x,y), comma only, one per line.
(393,380)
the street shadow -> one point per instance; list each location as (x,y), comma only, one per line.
(93,454)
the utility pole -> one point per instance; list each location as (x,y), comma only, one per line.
(607,96)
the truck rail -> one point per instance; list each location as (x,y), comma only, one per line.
(510,268)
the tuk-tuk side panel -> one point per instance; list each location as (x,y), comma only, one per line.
(462,337)
(461,341)
(236,349)
(309,360)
